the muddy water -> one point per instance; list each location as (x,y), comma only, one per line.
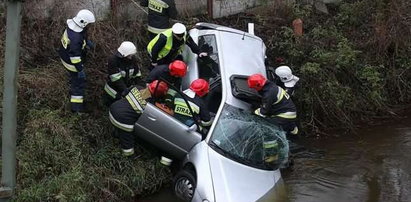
(373,165)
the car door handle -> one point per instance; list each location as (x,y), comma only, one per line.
(151,118)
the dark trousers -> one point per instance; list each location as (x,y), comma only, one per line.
(122,112)
(77,86)
(108,100)
(288,125)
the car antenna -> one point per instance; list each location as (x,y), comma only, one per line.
(243,36)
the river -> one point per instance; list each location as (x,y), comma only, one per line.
(369,166)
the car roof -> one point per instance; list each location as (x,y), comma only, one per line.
(240,53)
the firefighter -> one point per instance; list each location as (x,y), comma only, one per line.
(126,111)
(198,89)
(276,104)
(72,54)
(168,45)
(285,79)
(159,14)
(172,73)
(123,71)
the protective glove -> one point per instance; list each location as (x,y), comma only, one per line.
(125,92)
(90,44)
(81,75)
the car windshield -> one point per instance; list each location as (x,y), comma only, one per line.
(249,139)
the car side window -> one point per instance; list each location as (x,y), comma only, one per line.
(175,104)
(209,69)
(208,66)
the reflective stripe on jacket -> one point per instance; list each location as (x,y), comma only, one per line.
(136,101)
(122,126)
(201,113)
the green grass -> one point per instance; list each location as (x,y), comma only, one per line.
(344,79)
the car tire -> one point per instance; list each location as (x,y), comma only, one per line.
(184,184)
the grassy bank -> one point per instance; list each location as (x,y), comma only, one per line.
(353,64)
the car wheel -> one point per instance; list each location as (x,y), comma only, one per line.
(184,185)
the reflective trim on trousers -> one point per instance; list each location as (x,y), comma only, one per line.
(206,123)
(69,67)
(110,91)
(75,60)
(128,152)
(294,131)
(122,126)
(287,115)
(76,99)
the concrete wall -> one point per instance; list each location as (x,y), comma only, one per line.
(129,9)
(223,8)
(102,8)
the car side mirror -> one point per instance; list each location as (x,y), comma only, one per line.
(192,128)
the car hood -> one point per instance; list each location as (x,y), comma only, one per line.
(235,182)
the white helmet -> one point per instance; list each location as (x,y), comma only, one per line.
(284,72)
(83,18)
(127,48)
(179,28)
(286,76)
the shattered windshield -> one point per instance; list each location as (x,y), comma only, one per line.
(249,139)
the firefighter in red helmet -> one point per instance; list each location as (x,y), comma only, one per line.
(276,104)
(126,111)
(198,89)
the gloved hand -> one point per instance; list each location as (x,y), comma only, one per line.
(202,54)
(125,92)
(90,44)
(81,75)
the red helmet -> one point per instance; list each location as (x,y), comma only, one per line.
(161,89)
(200,87)
(256,81)
(178,68)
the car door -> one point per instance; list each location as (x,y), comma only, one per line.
(165,132)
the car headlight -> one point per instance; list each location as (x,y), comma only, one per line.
(205,200)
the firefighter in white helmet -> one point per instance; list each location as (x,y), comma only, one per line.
(285,79)
(123,72)
(168,45)
(72,54)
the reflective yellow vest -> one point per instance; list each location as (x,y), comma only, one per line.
(169,44)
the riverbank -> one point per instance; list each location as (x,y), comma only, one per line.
(353,64)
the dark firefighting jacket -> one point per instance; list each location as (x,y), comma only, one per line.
(121,74)
(72,49)
(163,72)
(159,13)
(201,113)
(276,102)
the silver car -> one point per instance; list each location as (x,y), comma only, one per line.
(236,159)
